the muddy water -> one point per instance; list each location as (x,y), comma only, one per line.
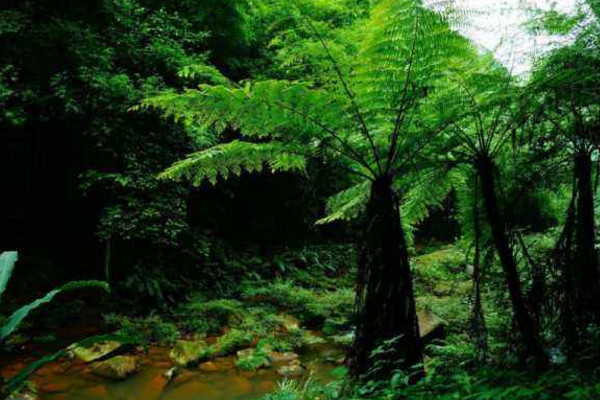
(70,380)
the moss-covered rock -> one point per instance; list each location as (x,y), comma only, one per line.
(431,326)
(116,368)
(96,351)
(188,352)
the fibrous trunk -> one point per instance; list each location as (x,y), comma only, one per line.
(485,169)
(477,328)
(585,266)
(385,303)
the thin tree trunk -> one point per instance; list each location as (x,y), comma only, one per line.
(107,259)
(563,261)
(485,169)
(477,328)
(586,259)
(537,291)
(385,304)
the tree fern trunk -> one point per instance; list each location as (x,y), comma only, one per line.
(385,302)
(485,168)
(586,259)
(477,328)
(563,261)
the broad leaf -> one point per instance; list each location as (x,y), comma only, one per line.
(7,264)
(15,320)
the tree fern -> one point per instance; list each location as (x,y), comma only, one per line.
(370,117)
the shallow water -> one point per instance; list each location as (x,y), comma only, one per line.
(71,380)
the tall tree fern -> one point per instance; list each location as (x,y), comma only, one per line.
(371,121)
(490,109)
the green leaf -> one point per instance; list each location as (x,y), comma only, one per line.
(7,264)
(15,320)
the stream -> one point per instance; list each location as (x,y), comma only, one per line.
(73,380)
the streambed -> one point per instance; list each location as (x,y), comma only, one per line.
(73,380)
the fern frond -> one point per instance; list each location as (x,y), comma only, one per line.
(347,204)
(428,192)
(229,159)
(406,48)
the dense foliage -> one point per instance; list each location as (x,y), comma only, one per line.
(269,176)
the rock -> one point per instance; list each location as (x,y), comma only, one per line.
(294,369)
(23,394)
(277,357)
(345,339)
(431,326)
(170,374)
(116,368)
(187,352)
(289,322)
(334,357)
(208,366)
(94,352)
(245,353)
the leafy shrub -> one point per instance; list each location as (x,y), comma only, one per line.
(209,316)
(444,265)
(260,320)
(319,266)
(144,331)
(232,341)
(311,306)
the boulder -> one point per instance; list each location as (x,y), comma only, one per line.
(294,369)
(170,374)
(116,368)
(277,357)
(208,366)
(289,322)
(245,353)
(431,326)
(187,352)
(94,352)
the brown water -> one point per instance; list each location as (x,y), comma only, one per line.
(70,380)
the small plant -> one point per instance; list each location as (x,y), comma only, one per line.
(311,306)
(252,359)
(209,316)
(307,389)
(232,341)
(145,331)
